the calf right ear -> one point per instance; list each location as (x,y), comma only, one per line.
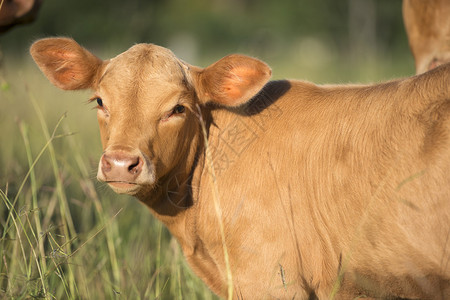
(65,63)
(232,81)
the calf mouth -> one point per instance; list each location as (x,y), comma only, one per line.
(124,187)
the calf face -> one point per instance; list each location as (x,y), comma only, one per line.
(148,104)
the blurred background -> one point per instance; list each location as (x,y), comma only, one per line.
(316,40)
(65,236)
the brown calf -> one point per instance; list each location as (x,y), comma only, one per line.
(322,191)
(427,24)
(15,12)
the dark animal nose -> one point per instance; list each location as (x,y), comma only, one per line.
(121,166)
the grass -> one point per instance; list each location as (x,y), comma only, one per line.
(217,208)
(64,236)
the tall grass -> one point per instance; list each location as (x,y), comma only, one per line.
(64,236)
(217,208)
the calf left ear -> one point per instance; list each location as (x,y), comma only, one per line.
(65,63)
(232,81)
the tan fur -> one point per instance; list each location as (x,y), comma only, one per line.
(325,191)
(427,24)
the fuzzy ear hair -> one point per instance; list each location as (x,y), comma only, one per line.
(233,80)
(65,63)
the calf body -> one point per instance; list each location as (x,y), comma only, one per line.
(321,191)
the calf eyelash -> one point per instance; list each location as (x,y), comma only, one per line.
(99,102)
(177,110)
(100,105)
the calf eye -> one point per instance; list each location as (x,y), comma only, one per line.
(99,102)
(179,109)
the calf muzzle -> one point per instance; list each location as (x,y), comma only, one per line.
(120,166)
(124,171)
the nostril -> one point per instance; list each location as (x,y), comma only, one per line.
(106,165)
(135,167)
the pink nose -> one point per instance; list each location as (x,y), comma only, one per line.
(119,166)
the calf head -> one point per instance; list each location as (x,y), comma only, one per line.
(147,105)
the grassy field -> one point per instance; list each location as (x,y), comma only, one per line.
(64,235)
